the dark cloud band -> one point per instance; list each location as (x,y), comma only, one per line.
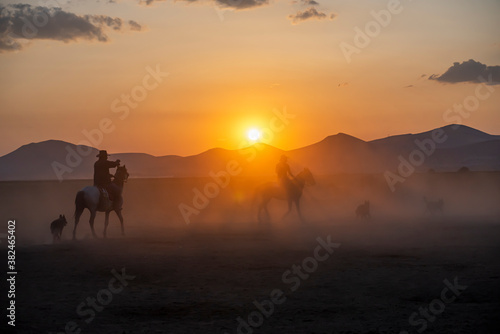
(469,71)
(310,14)
(234,4)
(25,22)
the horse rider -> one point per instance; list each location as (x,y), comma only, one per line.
(284,174)
(102,177)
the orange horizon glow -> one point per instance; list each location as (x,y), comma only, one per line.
(227,76)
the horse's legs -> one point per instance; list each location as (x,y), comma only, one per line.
(263,209)
(119,214)
(297,205)
(106,222)
(91,222)
(260,211)
(265,217)
(77,219)
(289,209)
(266,210)
(261,205)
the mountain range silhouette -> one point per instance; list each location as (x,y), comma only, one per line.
(341,153)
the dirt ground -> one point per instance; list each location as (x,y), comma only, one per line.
(402,271)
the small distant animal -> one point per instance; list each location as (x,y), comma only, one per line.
(363,210)
(57,226)
(434,207)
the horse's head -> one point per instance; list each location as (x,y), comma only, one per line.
(121,174)
(307,176)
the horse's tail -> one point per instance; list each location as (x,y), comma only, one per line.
(79,203)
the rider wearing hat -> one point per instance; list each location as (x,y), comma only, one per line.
(102,177)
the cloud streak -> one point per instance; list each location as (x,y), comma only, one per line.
(469,71)
(149,2)
(21,22)
(229,4)
(309,2)
(242,4)
(310,14)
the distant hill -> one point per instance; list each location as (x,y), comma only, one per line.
(34,161)
(338,153)
(462,146)
(341,153)
(457,135)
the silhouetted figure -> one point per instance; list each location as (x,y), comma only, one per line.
(464,169)
(102,177)
(284,174)
(363,210)
(434,207)
(57,226)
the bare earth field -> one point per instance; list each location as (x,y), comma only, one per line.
(403,271)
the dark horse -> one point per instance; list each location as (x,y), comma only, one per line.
(88,198)
(271,190)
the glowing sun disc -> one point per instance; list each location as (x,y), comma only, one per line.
(253,134)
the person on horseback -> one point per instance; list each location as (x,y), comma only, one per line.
(284,174)
(102,177)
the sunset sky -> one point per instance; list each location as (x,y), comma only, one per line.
(234,64)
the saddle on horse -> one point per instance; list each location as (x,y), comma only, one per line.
(105,200)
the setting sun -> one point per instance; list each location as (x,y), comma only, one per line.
(254,134)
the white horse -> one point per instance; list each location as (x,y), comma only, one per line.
(88,198)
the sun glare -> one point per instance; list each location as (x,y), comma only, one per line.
(254,134)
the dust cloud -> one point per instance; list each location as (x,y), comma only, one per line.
(201,205)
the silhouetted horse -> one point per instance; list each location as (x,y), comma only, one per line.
(363,210)
(88,198)
(271,190)
(434,207)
